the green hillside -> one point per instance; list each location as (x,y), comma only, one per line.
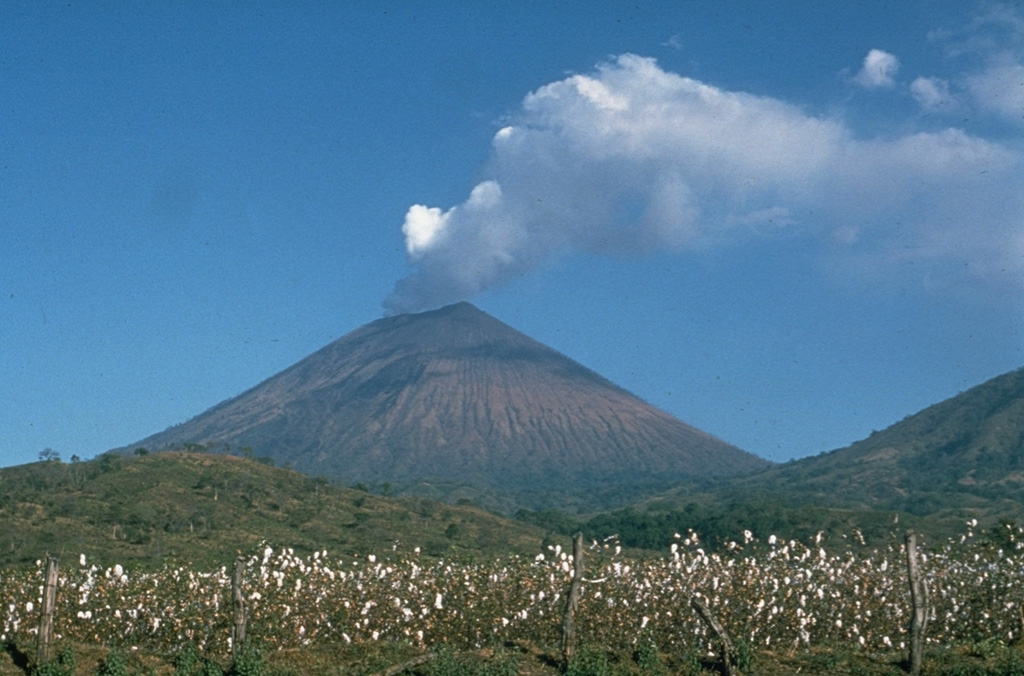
(196,507)
(959,460)
(962,452)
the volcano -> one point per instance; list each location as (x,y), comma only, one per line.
(455,394)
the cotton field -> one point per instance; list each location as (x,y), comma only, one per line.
(769,593)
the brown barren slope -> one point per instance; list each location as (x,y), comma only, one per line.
(456,394)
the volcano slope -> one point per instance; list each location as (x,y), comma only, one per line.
(456,395)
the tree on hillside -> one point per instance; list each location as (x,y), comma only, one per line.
(49,455)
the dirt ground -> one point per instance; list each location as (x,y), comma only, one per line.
(526,660)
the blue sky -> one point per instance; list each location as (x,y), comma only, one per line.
(786,223)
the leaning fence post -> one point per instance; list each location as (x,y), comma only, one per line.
(919,599)
(239,611)
(728,650)
(573,600)
(45,645)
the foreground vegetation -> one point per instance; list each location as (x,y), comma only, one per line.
(788,605)
(145,510)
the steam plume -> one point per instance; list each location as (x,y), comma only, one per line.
(632,160)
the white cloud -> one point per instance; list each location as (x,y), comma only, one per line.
(632,159)
(773,216)
(993,42)
(932,93)
(1000,87)
(879,70)
(675,42)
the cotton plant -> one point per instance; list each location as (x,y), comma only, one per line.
(770,593)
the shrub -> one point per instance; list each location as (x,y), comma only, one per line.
(590,660)
(188,662)
(648,659)
(64,665)
(116,664)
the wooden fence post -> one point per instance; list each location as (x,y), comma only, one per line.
(919,599)
(44,651)
(728,650)
(240,612)
(573,601)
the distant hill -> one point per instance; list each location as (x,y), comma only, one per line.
(957,460)
(962,452)
(456,396)
(203,507)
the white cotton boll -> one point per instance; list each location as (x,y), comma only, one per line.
(29,607)
(81,560)
(438,602)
